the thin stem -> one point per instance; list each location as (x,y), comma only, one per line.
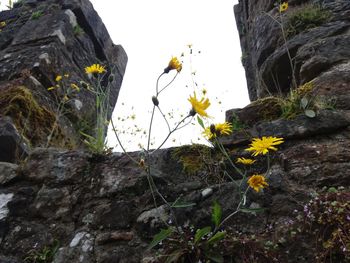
(222,149)
(287,49)
(167,137)
(167,84)
(164,118)
(183,126)
(120,143)
(233,213)
(150,128)
(157,83)
(268,164)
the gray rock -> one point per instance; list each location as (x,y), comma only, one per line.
(4,199)
(12,146)
(8,172)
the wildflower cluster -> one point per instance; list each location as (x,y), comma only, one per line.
(203,240)
(68,88)
(63,92)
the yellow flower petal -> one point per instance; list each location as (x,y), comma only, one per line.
(95,69)
(199,106)
(173,64)
(283,6)
(257,182)
(263,145)
(245,161)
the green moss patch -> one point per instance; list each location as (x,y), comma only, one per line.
(193,158)
(33,121)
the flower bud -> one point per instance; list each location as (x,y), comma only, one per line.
(192,112)
(155,101)
(111,77)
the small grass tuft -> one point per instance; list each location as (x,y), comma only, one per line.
(306,17)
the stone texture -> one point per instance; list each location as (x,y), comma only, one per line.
(99,208)
(8,172)
(43,39)
(12,146)
(264,50)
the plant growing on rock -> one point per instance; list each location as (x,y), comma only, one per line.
(303,101)
(190,243)
(306,17)
(96,142)
(64,92)
(36,15)
(45,255)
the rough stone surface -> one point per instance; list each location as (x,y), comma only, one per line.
(99,208)
(43,39)
(12,146)
(313,51)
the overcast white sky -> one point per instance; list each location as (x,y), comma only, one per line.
(152,32)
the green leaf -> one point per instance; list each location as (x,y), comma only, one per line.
(174,256)
(201,233)
(252,210)
(162,235)
(200,121)
(216,238)
(216,214)
(179,204)
(310,113)
(304,102)
(215,257)
(182,205)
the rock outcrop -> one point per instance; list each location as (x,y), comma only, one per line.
(40,40)
(63,206)
(307,42)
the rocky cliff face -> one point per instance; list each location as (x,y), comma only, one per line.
(62,205)
(40,40)
(308,41)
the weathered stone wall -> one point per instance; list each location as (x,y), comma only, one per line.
(99,208)
(39,41)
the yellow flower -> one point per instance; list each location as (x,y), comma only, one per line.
(283,6)
(173,64)
(66,75)
(2,24)
(245,161)
(257,182)
(199,106)
(58,78)
(217,130)
(75,87)
(95,69)
(51,88)
(263,145)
